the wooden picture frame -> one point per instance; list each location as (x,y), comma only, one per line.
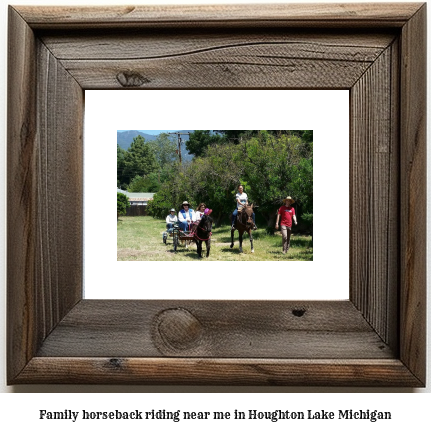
(376,338)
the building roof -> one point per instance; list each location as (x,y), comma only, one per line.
(140,199)
(146,195)
(138,196)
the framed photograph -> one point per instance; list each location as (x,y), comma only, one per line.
(143,255)
(376,337)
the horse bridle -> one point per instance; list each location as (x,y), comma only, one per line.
(205,230)
(249,219)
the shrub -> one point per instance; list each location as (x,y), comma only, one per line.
(122,204)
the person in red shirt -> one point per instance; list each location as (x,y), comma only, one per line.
(287,214)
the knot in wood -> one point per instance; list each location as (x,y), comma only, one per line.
(178,329)
(115,363)
(298,312)
(131,79)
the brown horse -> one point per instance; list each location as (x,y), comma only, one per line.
(243,222)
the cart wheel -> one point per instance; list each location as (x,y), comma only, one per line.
(165,236)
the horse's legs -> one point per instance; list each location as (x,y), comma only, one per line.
(199,248)
(208,245)
(251,240)
(240,242)
(231,237)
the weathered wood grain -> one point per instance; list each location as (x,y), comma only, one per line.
(373,190)
(413,194)
(197,371)
(392,302)
(55,337)
(59,183)
(235,329)
(45,105)
(313,14)
(228,68)
(227,72)
(22,201)
(140,44)
(206,60)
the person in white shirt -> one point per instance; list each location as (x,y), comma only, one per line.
(200,211)
(186,216)
(241,199)
(171,219)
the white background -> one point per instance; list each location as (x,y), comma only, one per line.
(21,410)
(324,278)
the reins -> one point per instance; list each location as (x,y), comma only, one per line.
(203,239)
(241,222)
(199,227)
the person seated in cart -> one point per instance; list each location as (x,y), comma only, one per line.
(171,220)
(200,211)
(186,216)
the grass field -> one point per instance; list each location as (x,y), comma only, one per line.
(139,238)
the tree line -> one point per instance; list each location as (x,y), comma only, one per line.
(146,165)
(269,164)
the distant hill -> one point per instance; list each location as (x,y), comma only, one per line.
(125,138)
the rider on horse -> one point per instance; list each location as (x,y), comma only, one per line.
(241,201)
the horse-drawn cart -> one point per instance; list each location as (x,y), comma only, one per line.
(199,232)
(177,236)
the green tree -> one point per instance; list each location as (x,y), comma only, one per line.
(236,136)
(165,149)
(122,204)
(271,165)
(275,166)
(121,154)
(302,189)
(174,190)
(161,203)
(307,135)
(140,159)
(149,183)
(200,140)
(213,178)
(302,184)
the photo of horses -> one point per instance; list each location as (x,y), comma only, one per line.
(214,195)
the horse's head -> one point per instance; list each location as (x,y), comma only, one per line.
(206,223)
(247,215)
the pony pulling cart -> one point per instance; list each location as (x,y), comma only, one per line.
(199,232)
